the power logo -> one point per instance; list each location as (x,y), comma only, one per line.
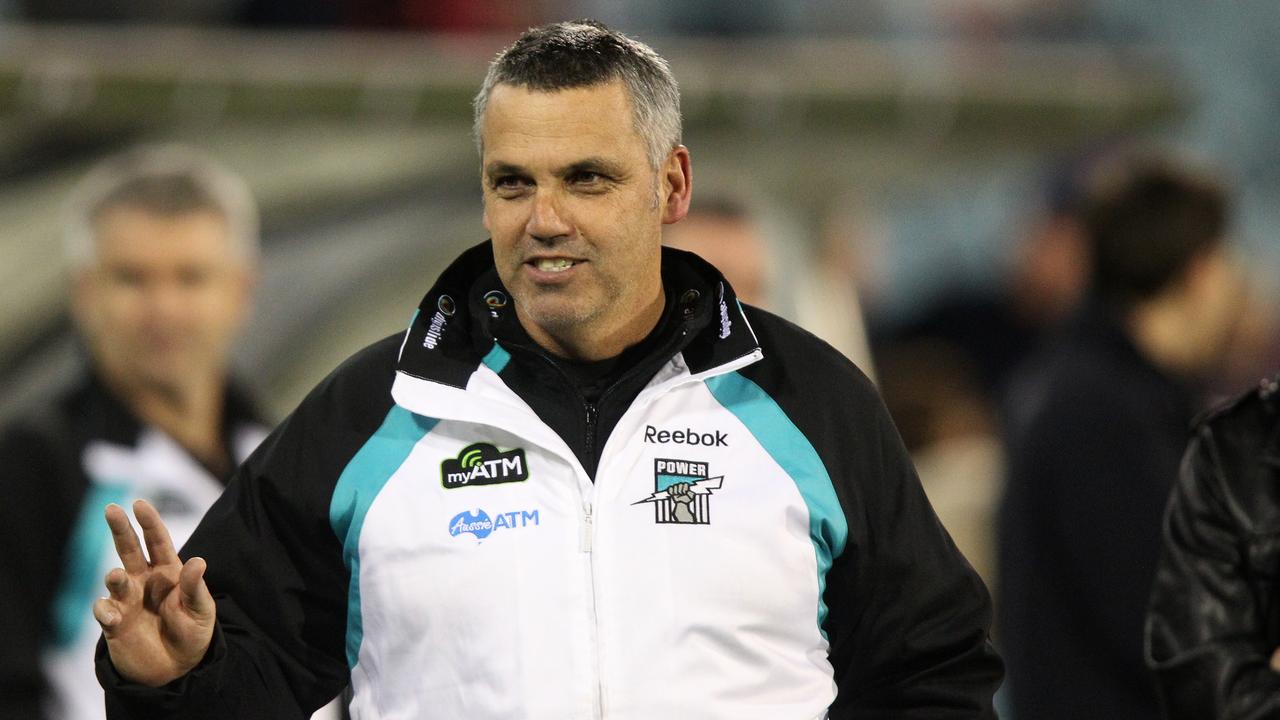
(682,492)
(484,464)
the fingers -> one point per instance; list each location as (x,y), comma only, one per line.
(126,540)
(159,545)
(1275,660)
(195,593)
(118,585)
(105,612)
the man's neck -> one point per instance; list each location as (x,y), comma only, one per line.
(191,414)
(1160,330)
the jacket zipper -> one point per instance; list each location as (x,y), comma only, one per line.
(592,417)
(589,439)
(594,619)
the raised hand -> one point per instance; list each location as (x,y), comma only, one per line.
(159,618)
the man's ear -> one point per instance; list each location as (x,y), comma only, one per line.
(677,185)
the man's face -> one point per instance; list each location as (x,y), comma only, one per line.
(575,212)
(164,298)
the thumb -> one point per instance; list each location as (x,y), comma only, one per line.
(195,593)
(1275,660)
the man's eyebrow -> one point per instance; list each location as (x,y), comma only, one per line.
(592,164)
(495,169)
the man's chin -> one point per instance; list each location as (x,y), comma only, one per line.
(557,319)
(164,377)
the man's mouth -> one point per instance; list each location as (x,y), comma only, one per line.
(553,264)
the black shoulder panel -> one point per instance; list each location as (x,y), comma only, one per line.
(907,617)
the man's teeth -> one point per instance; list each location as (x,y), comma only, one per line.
(554,264)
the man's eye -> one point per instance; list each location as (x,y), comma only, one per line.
(586,177)
(509,182)
(126,277)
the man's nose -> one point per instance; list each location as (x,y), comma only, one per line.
(546,220)
(167,302)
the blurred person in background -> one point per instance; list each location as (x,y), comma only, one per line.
(1213,627)
(721,231)
(725,232)
(1097,423)
(948,423)
(585,482)
(822,297)
(943,373)
(162,246)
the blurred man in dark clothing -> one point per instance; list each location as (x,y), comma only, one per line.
(162,245)
(1097,424)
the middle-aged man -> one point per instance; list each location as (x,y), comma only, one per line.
(1213,626)
(585,483)
(1096,438)
(162,248)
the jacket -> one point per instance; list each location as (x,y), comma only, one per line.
(750,540)
(1094,437)
(1214,619)
(60,464)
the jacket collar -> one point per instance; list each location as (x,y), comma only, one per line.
(468,309)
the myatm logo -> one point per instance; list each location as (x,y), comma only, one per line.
(484,464)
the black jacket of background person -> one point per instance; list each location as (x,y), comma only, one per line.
(43,491)
(1094,439)
(1215,608)
(908,619)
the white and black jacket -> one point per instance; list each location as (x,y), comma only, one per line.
(732,530)
(61,462)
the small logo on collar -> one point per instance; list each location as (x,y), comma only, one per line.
(495,300)
(725,324)
(689,302)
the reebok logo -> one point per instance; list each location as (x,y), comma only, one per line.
(483,464)
(685,437)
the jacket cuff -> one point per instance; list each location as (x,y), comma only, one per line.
(176,694)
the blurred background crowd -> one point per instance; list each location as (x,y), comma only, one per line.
(909,179)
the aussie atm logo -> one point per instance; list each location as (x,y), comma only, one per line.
(480,524)
(484,464)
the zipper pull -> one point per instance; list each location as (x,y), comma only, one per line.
(589,440)
(586,528)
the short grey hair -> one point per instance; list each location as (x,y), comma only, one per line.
(584,53)
(165,180)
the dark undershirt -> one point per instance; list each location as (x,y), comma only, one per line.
(594,377)
(598,392)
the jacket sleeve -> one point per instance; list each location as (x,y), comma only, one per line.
(275,567)
(909,619)
(1205,631)
(41,491)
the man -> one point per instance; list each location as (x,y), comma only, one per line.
(490,516)
(1212,629)
(723,232)
(1097,425)
(162,246)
